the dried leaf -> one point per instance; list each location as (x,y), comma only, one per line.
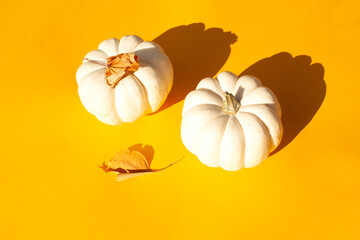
(120,66)
(129,163)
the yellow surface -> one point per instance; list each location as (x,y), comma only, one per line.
(51,187)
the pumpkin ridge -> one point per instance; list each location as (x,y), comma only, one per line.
(214,82)
(242,86)
(263,87)
(126,38)
(225,79)
(210,91)
(243,152)
(223,130)
(155,45)
(271,105)
(112,100)
(206,121)
(91,71)
(249,92)
(275,114)
(110,46)
(152,65)
(143,66)
(83,86)
(145,90)
(100,60)
(198,96)
(222,135)
(200,106)
(267,131)
(124,99)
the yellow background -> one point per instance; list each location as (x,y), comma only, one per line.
(51,187)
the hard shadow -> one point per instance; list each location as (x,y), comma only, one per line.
(146,150)
(298,85)
(195,53)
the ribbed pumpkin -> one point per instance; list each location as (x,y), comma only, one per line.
(231,122)
(124,79)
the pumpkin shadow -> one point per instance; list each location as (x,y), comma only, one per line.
(298,85)
(146,150)
(195,53)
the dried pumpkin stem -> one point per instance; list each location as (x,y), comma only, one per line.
(230,105)
(120,66)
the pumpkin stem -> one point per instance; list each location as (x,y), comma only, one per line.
(119,66)
(230,105)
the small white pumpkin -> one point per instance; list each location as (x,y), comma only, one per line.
(231,122)
(124,79)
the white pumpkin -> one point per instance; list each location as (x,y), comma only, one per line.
(141,88)
(231,122)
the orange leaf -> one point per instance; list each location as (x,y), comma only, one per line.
(129,163)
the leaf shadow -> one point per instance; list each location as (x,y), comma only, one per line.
(146,150)
(299,86)
(195,53)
